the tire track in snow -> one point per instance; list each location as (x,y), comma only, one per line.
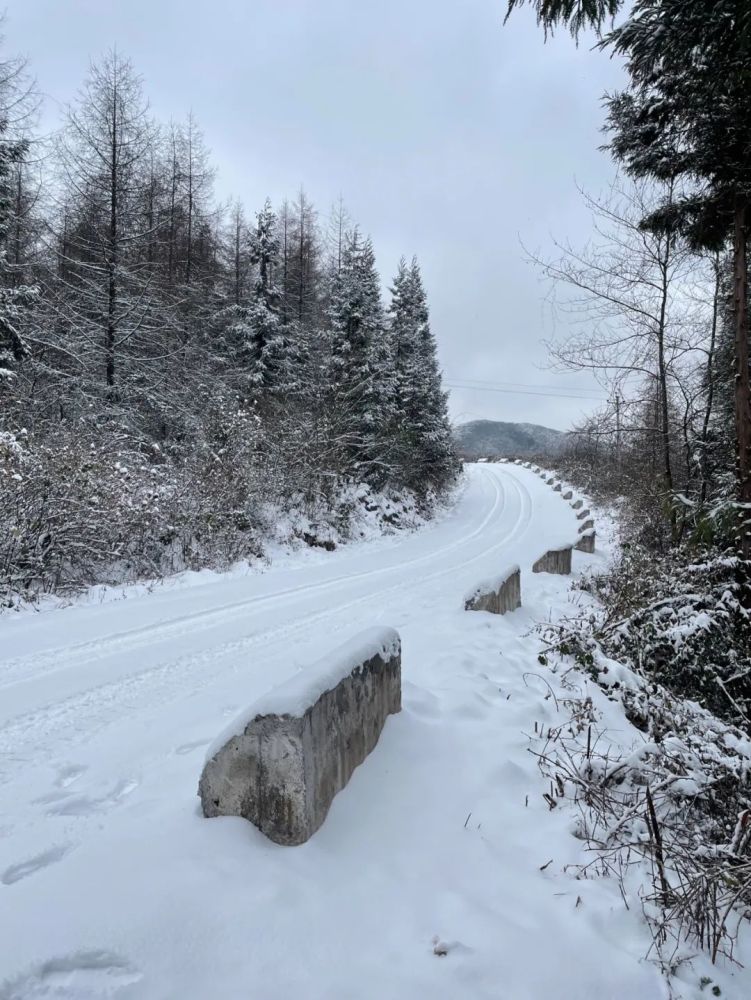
(81,654)
(43,734)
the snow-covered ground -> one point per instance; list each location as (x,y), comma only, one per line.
(113,885)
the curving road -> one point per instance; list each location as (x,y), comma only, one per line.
(68,674)
(106,871)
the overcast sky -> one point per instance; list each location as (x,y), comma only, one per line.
(448,135)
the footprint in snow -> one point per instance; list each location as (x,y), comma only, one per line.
(85,805)
(67,775)
(190,747)
(85,975)
(31,865)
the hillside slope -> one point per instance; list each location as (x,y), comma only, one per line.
(496,439)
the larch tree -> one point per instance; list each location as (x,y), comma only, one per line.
(103,155)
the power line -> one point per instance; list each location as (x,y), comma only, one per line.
(523,392)
(522,385)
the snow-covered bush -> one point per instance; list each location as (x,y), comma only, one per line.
(678,800)
(683,620)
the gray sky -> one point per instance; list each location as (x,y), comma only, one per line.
(448,136)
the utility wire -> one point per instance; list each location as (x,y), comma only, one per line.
(524,385)
(523,392)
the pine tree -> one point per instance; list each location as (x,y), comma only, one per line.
(250,329)
(14,298)
(361,369)
(267,344)
(423,432)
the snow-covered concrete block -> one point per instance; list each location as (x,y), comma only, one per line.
(281,763)
(582,514)
(587,542)
(498,594)
(550,480)
(577,504)
(558,487)
(568,495)
(586,525)
(554,561)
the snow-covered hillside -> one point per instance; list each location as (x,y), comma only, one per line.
(438,873)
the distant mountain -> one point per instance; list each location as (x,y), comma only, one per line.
(495,439)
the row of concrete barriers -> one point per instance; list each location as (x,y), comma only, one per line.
(281,763)
(502,593)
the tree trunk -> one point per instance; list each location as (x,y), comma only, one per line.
(189,248)
(742,389)
(704,458)
(112,264)
(663,380)
(172,209)
(237,258)
(17,275)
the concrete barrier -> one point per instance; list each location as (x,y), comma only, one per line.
(497,595)
(582,514)
(558,487)
(554,561)
(550,480)
(587,542)
(586,525)
(282,762)
(567,495)
(577,504)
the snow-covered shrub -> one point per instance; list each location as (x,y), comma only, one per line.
(683,620)
(80,508)
(678,801)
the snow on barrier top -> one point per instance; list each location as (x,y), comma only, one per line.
(295,696)
(489,584)
(555,560)
(281,771)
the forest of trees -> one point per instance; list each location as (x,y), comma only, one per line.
(175,373)
(661,294)
(665,285)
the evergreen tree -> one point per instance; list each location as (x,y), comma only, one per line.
(423,432)
(687,115)
(361,373)
(14,298)
(250,329)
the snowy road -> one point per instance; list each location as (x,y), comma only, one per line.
(112,885)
